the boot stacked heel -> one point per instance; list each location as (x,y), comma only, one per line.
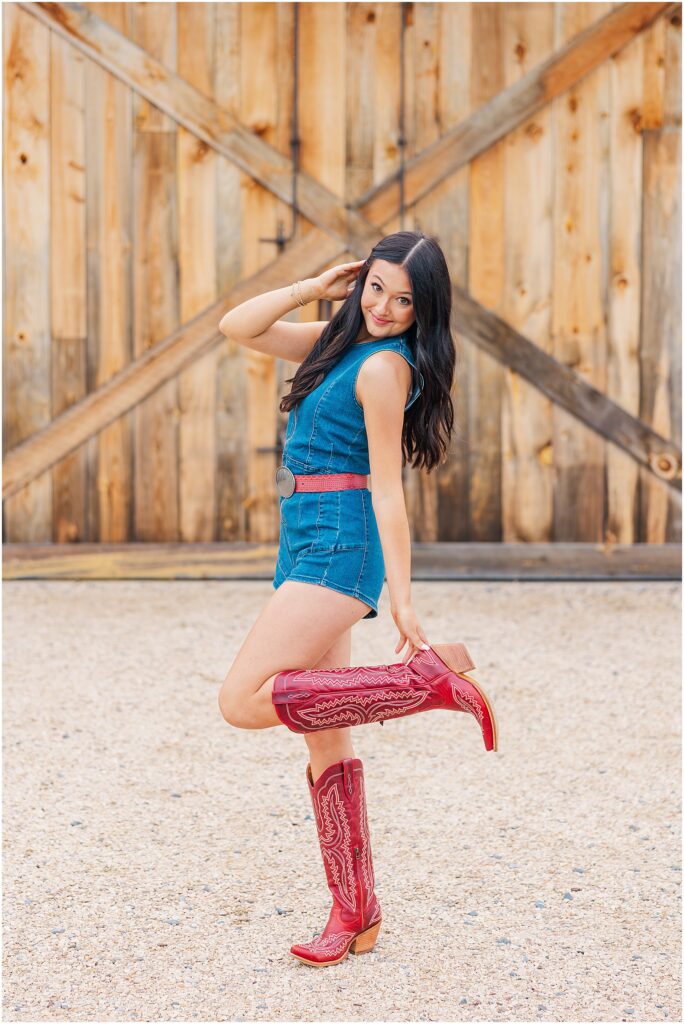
(364,942)
(455,656)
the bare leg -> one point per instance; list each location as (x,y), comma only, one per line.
(296,628)
(330,745)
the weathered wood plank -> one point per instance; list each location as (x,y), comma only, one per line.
(246,561)
(486,277)
(654,75)
(623,284)
(372,69)
(527,470)
(231,414)
(68,291)
(27,404)
(262,110)
(153,28)
(673,119)
(196,174)
(156,298)
(109,160)
(579,259)
(660,350)
(452,198)
(423,128)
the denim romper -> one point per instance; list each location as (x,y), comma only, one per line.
(331,538)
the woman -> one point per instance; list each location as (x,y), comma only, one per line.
(372,391)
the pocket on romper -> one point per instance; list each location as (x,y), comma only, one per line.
(320,547)
(330,527)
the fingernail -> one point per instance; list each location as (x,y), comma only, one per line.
(425,647)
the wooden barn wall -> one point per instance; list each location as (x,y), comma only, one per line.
(120,225)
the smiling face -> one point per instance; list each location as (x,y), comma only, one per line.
(386,301)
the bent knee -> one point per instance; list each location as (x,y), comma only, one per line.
(233,708)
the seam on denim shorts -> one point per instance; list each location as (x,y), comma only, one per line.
(315,414)
(325,549)
(340,587)
(287,540)
(318,516)
(365,549)
(327,566)
(337,533)
(279,565)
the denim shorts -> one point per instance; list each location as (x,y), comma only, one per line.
(331,538)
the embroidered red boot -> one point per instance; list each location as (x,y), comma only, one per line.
(339,804)
(307,700)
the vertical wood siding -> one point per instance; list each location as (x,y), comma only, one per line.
(120,225)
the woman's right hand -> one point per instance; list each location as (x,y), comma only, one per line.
(410,631)
(337,283)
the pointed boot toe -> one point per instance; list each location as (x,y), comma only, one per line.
(466,694)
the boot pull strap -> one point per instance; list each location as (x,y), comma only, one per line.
(430,664)
(348,775)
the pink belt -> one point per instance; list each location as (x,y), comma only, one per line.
(288,482)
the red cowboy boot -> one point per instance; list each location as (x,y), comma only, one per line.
(339,803)
(307,700)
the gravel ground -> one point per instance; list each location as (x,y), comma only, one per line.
(159,863)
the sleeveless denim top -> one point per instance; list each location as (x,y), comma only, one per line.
(326,431)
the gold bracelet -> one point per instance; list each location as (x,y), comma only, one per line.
(296,293)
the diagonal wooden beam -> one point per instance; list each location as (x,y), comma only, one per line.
(190,108)
(161,362)
(568,389)
(360,220)
(511,107)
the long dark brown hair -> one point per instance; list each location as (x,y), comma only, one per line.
(428,423)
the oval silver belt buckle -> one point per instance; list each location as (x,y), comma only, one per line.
(285,481)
